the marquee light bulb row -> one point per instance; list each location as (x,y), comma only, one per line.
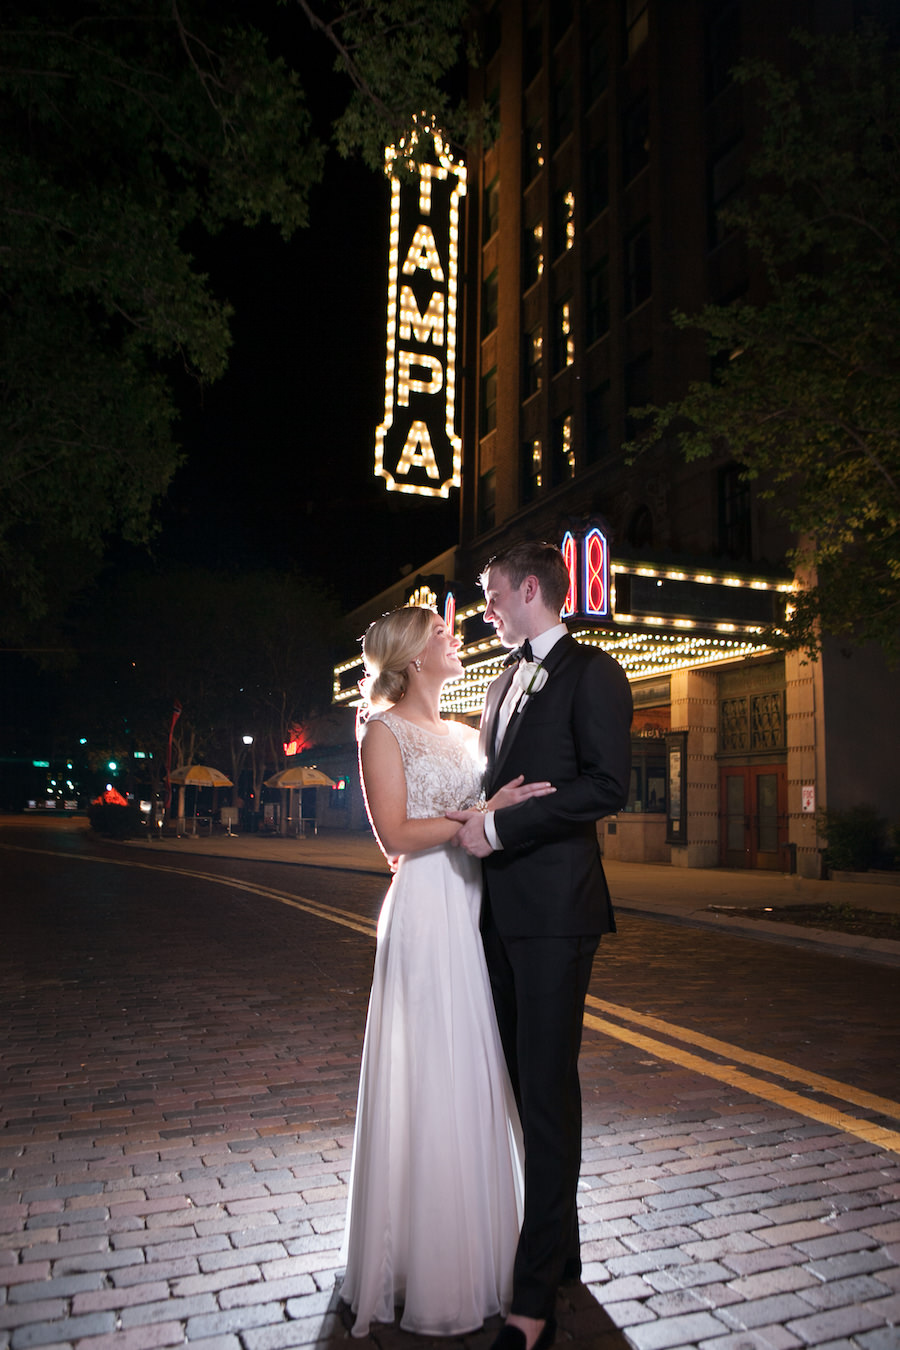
(639,654)
(643,644)
(705,578)
(660,653)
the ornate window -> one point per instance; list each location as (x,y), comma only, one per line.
(751,723)
(734,727)
(767,721)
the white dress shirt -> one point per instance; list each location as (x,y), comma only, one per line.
(541,647)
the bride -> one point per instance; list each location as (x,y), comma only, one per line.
(435,1200)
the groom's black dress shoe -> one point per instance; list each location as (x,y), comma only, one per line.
(512,1338)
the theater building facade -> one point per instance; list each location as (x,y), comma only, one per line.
(530,295)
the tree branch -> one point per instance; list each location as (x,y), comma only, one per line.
(352,69)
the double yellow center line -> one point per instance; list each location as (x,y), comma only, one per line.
(723,1067)
(718,1060)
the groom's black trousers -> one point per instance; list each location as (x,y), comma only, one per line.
(539,986)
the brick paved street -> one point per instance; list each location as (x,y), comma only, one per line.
(178,1084)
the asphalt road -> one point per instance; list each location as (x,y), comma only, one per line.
(834,1015)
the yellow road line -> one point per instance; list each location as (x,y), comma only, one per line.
(757,1087)
(725,1073)
(346,917)
(855,1096)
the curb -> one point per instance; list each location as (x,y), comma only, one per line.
(881,951)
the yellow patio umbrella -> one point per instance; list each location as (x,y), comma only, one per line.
(196,775)
(200,775)
(297,776)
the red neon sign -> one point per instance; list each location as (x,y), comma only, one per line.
(298,742)
(587,563)
(596,573)
(569,551)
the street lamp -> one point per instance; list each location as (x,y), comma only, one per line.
(248,814)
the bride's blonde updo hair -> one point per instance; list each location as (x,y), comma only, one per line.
(389,645)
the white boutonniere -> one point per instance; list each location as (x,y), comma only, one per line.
(530,678)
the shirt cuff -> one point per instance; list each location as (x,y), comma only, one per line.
(490,831)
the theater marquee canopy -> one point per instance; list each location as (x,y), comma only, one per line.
(654,620)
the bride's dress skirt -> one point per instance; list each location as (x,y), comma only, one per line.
(436,1181)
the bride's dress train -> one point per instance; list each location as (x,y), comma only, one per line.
(436,1181)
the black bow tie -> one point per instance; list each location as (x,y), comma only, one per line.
(523,653)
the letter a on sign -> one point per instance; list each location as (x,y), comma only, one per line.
(418,452)
(416,445)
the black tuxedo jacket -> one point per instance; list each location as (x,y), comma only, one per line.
(547,880)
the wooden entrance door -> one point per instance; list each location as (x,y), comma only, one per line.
(753,816)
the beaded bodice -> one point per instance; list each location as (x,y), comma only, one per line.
(443,772)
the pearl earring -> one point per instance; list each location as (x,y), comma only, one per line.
(418,664)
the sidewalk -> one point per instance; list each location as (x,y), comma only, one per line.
(681,895)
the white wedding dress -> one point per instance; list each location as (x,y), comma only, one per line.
(435,1200)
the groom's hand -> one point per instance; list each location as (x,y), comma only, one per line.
(471,836)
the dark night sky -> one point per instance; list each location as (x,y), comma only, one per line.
(281,451)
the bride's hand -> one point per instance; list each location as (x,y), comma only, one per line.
(515,791)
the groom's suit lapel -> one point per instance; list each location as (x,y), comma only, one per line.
(552,662)
(496,695)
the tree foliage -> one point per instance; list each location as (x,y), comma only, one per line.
(396,54)
(250,654)
(127,129)
(809,401)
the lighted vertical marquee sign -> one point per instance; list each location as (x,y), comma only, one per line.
(416,446)
(587,562)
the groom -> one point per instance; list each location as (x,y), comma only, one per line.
(563,715)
